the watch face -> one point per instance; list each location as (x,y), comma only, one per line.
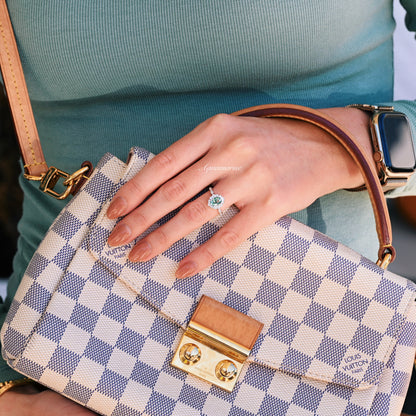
(396,137)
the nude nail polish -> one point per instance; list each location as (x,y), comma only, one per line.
(186,270)
(141,252)
(117,208)
(120,235)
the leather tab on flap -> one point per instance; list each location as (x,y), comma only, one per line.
(227,322)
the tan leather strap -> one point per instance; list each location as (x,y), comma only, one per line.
(20,106)
(367,167)
(24,121)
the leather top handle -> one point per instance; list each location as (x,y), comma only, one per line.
(36,167)
(386,253)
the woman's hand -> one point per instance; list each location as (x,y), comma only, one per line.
(27,400)
(266,167)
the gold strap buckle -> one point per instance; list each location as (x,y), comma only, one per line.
(216,343)
(49,180)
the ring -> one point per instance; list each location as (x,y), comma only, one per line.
(215,201)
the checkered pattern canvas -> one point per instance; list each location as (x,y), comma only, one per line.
(338,339)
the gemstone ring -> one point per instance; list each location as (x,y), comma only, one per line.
(215,201)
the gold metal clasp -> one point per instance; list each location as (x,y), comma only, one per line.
(384,263)
(52,177)
(216,343)
(386,255)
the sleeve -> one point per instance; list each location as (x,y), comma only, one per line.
(407,107)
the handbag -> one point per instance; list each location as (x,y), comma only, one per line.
(290,322)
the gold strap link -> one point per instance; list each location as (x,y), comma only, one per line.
(49,180)
(385,261)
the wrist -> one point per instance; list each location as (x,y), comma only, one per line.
(357,123)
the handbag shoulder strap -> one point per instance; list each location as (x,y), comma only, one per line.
(37,169)
(21,109)
(35,166)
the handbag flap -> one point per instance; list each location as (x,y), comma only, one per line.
(328,313)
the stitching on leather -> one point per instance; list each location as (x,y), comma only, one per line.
(34,164)
(17,92)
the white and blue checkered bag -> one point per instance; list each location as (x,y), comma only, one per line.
(338,337)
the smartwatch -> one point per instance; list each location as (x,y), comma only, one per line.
(392,142)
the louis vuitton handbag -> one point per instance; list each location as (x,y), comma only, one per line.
(289,323)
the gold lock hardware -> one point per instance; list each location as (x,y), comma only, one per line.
(216,343)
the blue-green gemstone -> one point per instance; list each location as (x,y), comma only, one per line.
(216,201)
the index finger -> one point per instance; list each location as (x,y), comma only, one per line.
(160,169)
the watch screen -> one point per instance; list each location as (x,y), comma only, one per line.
(399,154)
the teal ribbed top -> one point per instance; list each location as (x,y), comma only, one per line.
(105,76)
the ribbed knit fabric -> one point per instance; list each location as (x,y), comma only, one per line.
(104,76)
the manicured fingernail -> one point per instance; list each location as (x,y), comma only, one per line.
(117,208)
(186,270)
(141,252)
(120,235)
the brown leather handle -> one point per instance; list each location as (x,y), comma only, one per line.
(367,168)
(20,106)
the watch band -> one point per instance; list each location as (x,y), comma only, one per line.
(371,108)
